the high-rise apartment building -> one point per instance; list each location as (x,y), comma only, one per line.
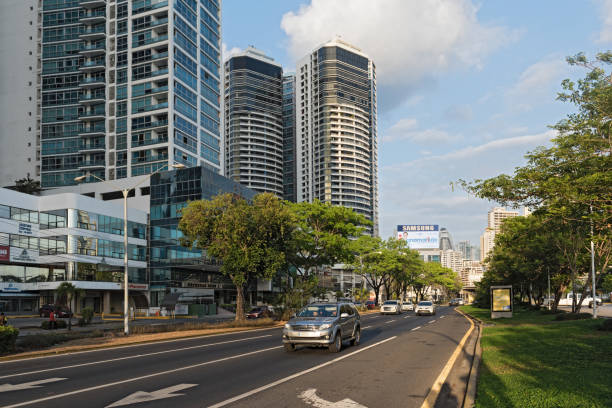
(289,159)
(18,88)
(254,121)
(451,259)
(128,87)
(336,140)
(495,218)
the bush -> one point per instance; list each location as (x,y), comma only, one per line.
(86,316)
(551,312)
(8,337)
(606,325)
(61,324)
(574,316)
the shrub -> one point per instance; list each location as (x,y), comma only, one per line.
(574,316)
(61,324)
(8,337)
(606,325)
(86,316)
(550,312)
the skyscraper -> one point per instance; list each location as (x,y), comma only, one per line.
(495,218)
(446,241)
(128,87)
(289,159)
(336,140)
(254,121)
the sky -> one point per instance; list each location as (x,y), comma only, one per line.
(465,88)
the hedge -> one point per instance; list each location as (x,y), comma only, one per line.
(8,337)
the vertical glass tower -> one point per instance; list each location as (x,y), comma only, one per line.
(254,121)
(128,87)
(289,163)
(336,146)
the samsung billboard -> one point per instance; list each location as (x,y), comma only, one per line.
(420,236)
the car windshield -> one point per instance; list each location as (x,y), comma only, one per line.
(319,311)
(391,302)
(424,303)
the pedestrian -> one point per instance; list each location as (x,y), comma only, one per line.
(52,322)
(3,320)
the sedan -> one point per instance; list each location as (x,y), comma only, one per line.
(259,312)
(391,306)
(407,306)
(425,307)
(370,305)
(45,310)
(456,302)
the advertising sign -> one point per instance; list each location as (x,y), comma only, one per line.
(5,253)
(24,255)
(19,227)
(420,236)
(501,301)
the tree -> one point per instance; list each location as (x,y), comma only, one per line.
(249,238)
(28,186)
(366,262)
(69,292)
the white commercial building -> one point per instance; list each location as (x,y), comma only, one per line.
(45,241)
(452,259)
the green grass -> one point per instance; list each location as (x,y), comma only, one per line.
(531,360)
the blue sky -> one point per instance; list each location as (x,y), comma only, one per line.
(465,89)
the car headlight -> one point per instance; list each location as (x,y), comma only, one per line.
(324,326)
(288,326)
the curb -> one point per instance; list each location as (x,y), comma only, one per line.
(472,386)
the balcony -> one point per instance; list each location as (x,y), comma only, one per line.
(147,5)
(149,91)
(92,164)
(163,105)
(95,114)
(92,3)
(92,99)
(93,66)
(92,82)
(93,17)
(149,159)
(150,125)
(151,74)
(93,49)
(136,43)
(93,33)
(91,131)
(92,148)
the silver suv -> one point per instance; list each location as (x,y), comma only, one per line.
(323,325)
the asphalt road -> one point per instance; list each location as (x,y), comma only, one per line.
(395,365)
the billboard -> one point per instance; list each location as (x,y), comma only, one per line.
(4,253)
(24,255)
(420,236)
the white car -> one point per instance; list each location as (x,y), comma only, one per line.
(407,306)
(391,306)
(425,307)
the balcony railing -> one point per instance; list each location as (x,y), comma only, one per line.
(141,109)
(140,43)
(149,125)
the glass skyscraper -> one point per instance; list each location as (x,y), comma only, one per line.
(289,159)
(128,87)
(254,121)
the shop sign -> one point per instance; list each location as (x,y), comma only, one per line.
(138,286)
(5,253)
(11,287)
(21,228)
(24,255)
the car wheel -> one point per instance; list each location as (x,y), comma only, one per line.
(289,347)
(356,338)
(336,346)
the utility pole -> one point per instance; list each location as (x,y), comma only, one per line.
(593,269)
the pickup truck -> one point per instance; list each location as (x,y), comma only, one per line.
(588,301)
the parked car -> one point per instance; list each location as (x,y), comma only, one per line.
(259,312)
(425,307)
(59,311)
(370,305)
(325,324)
(589,301)
(456,302)
(391,306)
(407,306)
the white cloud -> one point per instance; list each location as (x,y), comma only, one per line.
(411,42)
(539,77)
(459,113)
(227,53)
(407,129)
(605,35)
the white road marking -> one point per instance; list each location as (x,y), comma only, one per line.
(310,396)
(97,387)
(291,377)
(28,385)
(142,396)
(405,317)
(366,327)
(134,356)
(431,321)
(416,328)
(138,345)
(389,321)
(442,317)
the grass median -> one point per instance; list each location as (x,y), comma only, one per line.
(533,360)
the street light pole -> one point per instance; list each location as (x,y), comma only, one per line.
(593,269)
(126,191)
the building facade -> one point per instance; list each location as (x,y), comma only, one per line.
(254,121)
(289,157)
(127,87)
(451,259)
(336,139)
(19,22)
(45,241)
(495,218)
(176,269)
(446,241)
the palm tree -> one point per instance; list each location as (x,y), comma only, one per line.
(27,185)
(68,291)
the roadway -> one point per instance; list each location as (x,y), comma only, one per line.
(397,362)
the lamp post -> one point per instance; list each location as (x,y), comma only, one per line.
(126,191)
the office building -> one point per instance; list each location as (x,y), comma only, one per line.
(289,159)
(45,241)
(175,269)
(254,121)
(18,88)
(336,140)
(127,87)
(468,251)
(446,241)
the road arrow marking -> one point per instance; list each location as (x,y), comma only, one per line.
(142,396)
(28,385)
(310,396)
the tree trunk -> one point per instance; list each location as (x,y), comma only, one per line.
(70,314)
(376,293)
(239,303)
